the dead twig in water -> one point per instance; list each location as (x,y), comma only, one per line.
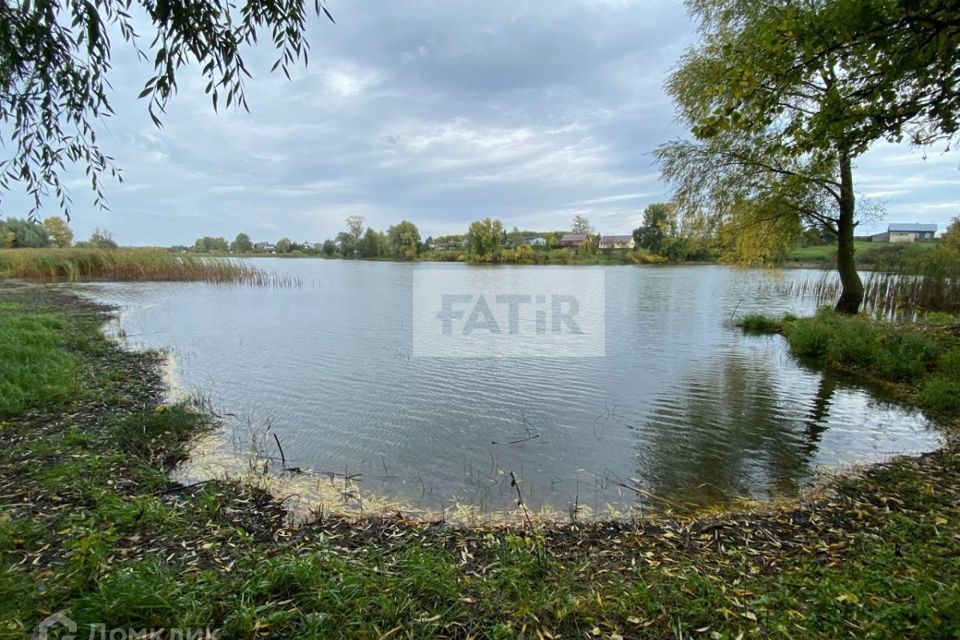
(516,485)
(283,458)
(534,437)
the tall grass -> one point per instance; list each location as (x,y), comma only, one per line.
(931,284)
(129,264)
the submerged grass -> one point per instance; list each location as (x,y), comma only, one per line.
(92,526)
(124,264)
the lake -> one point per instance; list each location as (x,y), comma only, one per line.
(682,408)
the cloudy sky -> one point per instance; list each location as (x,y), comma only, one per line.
(438,112)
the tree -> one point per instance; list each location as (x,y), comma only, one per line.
(355,226)
(347,245)
(59,231)
(350,240)
(581,225)
(207,244)
(485,238)
(241,244)
(284,245)
(329,248)
(515,238)
(659,223)
(372,245)
(102,239)
(404,240)
(55,59)
(951,237)
(782,96)
(23,234)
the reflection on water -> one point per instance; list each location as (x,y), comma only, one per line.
(682,406)
(748,434)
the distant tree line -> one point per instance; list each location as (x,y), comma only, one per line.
(20,233)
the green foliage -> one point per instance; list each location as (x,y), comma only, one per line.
(241,244)
(951,237)
(60,233)
(329,248)
(346,244)
(99,239)
(894,353)
(782,96)
(208,244)
(941,393)
(903,354)
(659,223)
(404,240)
(21,234)
(284,245)
(759,323)
(353,243)
(373,244)
(55,62)
(485,239)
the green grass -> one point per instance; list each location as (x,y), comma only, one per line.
(925,359)
(759,323)
(35,367)
(880,255)
(89,526)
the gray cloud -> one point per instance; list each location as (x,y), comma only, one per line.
(529,111)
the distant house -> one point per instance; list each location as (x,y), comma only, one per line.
(265,247)
(535,241)
(617,242)
(448,243)
(906,232)
(574,239)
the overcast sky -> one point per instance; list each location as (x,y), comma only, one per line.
(441,113)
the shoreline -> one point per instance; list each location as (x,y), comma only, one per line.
(102,460)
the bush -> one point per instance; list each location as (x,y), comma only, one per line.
(808,338)
(758,323)
(941,393)
(897,353)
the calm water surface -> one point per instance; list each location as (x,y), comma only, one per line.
(682,406)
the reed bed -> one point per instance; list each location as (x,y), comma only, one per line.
(886,295)
(159,265)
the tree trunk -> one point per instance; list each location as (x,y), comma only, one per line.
(851,295)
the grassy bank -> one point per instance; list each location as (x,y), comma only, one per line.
(869,255)
(122,264)
(921,361)
(91,526)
